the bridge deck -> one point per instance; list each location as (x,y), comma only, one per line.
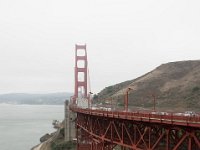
(171,118)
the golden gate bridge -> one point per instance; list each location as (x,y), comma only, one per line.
(108,129)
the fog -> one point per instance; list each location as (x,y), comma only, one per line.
(125,39)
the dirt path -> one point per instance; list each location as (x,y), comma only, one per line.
(38,147)
(46,145)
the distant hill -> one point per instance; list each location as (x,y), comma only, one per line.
(176,86)
(35,99)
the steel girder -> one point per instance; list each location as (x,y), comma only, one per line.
(103,133)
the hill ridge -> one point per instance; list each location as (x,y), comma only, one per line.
(175,84)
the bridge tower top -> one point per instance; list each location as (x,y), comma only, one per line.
(81,65)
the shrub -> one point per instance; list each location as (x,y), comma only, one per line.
(63,146)
(195,89)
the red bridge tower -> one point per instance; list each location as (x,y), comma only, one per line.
(80,71)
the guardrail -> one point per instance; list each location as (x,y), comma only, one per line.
(145,116)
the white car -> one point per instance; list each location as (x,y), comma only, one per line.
(189,113)
(159,113)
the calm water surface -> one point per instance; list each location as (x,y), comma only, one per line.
(21,126)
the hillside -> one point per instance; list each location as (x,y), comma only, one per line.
(176,86)
(35,99)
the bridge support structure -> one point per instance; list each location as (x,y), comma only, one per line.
(69,123)
(80,71)
(105,133)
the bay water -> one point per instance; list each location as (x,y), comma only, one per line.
(21,126)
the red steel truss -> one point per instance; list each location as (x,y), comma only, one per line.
(104,130)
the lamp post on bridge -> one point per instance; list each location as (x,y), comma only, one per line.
(90,99)
(126,98)
(154,101)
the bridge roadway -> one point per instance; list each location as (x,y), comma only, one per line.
(102,129)
(144,116)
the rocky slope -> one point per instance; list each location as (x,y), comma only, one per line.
(176,86)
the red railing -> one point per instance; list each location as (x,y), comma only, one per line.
(145,116)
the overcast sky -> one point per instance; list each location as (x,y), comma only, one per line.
(125,39)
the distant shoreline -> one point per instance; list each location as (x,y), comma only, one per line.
(32,104)
(35,99)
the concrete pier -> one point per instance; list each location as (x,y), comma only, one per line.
(69,123)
